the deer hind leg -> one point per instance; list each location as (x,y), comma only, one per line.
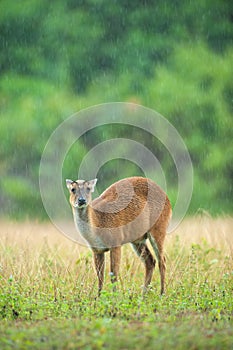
(99,266)
(115,258)
(145,255)
(156,238)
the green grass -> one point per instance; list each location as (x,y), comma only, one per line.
(48,293)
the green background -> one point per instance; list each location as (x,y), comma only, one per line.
(58,57)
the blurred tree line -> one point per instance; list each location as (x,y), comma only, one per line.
(57,57)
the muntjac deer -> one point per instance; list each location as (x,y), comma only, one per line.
(129,211)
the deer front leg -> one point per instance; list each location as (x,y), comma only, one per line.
(115,258)
(99,266)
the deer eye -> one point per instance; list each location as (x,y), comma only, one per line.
(73,190)
(88,189)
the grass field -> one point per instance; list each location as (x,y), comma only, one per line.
(48,292)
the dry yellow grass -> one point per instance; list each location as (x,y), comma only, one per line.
(33,251)
(216,232)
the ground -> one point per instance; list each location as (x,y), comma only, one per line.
(48,292)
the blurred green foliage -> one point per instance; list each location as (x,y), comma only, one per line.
(59,57)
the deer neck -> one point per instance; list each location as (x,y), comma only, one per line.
(83,223)
(82,219)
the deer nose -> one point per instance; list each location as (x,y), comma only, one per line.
(81,201)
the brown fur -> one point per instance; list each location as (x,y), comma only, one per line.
(129,211)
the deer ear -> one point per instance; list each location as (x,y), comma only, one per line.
(68,183)
(92,184)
